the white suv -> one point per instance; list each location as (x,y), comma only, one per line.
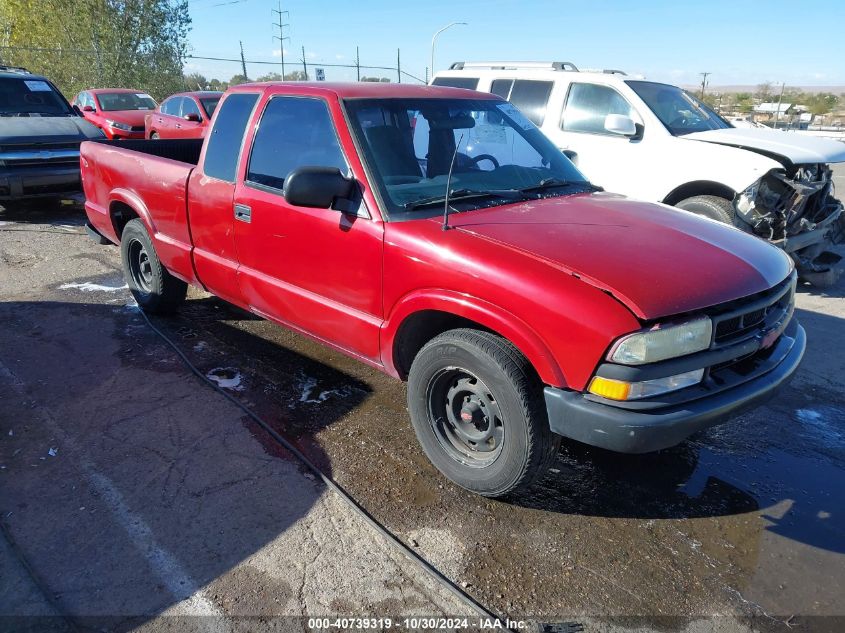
(657,142)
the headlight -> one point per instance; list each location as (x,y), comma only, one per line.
(119,126)
(661,343)
(621,390)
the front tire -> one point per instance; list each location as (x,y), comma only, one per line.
(478,412)
(154,288)
(712,207)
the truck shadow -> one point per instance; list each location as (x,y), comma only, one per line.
(153,486)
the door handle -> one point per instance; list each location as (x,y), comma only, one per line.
(243,213)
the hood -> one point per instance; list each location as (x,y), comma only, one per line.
(130,117)
(795,147)
(657,260)
(27,130)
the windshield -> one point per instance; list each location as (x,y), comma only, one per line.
(678,110)
(113,101)
(31,97)
(501,156)
(209,104)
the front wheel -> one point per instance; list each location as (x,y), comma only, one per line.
(154,288)
(713,207)
(478,411)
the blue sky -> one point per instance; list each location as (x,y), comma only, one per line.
(738,42)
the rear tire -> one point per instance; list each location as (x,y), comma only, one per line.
(478,411)
(712,207)
(154,288)
(154,136)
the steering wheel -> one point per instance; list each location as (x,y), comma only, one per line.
(680,122)
(477,159)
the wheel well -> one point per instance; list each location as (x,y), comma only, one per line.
(419,328)
(699,188)
(120,214)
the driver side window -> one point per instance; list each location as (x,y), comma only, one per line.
(587,105)
(293,132)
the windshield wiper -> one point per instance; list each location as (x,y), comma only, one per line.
(546,183)
(466,194)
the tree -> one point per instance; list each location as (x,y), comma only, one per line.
(237,80)
(764,91)
(196,81)
(98,43)
(384,80)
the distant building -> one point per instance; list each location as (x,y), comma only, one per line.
(781,113)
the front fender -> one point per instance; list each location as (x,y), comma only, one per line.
(485,314)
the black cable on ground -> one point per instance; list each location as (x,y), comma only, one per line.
(432,571)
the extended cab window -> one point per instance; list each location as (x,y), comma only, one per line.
(227,135)
(293,132)
(588,105)
(531,97)
(470,83)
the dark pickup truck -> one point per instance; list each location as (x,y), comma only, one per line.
(437,235)
(39,138)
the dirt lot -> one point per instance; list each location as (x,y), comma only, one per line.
(133,496)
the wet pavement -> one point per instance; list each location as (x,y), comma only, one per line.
(742,525)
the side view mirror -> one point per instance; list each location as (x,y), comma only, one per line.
(317,187)
(192,116)
(87,108)
(620,124)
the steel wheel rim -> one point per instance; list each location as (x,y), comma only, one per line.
(465,417)
(140,266)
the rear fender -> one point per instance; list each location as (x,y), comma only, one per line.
(134,202)
(485,314)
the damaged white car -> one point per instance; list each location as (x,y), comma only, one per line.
(657,142)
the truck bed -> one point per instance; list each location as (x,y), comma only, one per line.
(122,179)
(183,150)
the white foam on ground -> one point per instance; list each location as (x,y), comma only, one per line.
(88,286)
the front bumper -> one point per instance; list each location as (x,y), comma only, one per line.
(578,416)
(38,182)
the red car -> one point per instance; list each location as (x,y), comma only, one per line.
(183,115)
(119,112)
(436,234)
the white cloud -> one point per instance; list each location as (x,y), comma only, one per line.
(277,53)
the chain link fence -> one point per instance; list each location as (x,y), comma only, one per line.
(73,70)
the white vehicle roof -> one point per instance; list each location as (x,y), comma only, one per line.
(536,70)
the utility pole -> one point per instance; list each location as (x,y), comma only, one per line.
(243,62)
(281,36)
(398,67)
(703,84)
(304,67)
(357,64)
(780,100)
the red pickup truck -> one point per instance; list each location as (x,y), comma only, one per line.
(435,234)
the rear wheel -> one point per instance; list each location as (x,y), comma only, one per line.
(712,207)
(154,288)
(478,411)
(154,136)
